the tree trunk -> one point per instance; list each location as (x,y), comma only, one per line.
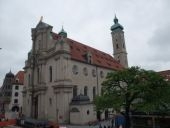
(127,117)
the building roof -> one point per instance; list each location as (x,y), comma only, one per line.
(99,58)
(80,99)
(19,78)
(165,74)
(42,25)
(116,25)
(10,74)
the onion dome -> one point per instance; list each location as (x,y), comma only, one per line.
(116,25)
(63,33)
(10,74)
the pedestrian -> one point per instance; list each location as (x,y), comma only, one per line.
(100,126)
(119,120)
(112,123)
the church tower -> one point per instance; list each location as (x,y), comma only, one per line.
(118,41)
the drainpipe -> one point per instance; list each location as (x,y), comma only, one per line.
(97,80)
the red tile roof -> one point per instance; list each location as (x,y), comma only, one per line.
(165,74)
(19,78)
(99,58)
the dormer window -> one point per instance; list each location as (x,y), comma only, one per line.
(17,80)
(88,57)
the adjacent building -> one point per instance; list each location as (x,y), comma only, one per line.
(6,92)
(11,93)
(16,100)
(165,74)
(63,76)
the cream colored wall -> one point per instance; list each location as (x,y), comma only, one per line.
(26,94)
(82,117)
(60,89)
(80,80)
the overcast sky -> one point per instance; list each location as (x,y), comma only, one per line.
(146,26)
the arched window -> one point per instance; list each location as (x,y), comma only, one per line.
(16,94)
(85,90)
(50,101)
(38,75)
(94,92)
(74,91)
(123,45)
(29,80)
(50,73)
(117,46)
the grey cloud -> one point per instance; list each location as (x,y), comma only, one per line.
(88,22)
(160,44)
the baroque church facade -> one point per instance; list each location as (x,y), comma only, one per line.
(63,76)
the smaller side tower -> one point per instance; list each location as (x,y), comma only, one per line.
(118,41)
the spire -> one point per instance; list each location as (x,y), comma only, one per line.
(62,30)
(63,33)
(41,18)
(10,74)
(116,24)
(115,19)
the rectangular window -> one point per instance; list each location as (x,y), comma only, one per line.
(16,94)
(15,101)
(38,75)
(16,87)
(50,73)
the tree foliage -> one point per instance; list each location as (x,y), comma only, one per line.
(134,89)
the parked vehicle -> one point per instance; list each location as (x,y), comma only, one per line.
(33,123)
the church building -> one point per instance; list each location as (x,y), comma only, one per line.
(63,76)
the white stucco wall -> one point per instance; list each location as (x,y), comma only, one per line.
(19,97)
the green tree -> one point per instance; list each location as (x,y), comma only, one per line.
(133,89)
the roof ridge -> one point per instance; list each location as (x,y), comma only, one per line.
(85,45)
(90,47)
(99,57)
